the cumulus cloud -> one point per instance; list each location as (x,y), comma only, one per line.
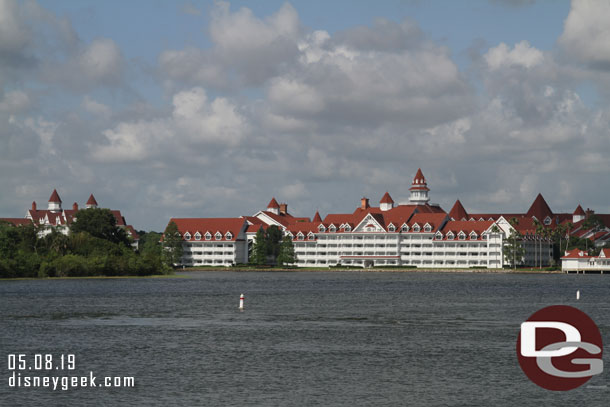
(586,33)
(521,55)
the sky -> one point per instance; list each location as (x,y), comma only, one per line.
(209,109)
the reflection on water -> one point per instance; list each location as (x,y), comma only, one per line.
(303,339)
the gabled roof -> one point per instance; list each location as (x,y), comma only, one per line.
(387,199)
(540,209)
(273,204)
(17,221)
(55,197)
(317,217)
(458,212)
(467,226)
(91,200)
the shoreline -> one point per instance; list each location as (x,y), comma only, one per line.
(370,270)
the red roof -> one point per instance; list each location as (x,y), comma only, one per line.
(211,225)
(17,221)
(576,254)
(132,232)
(467,226)
(91,201)
(273,204)
(579,211)
(458,212)
(387,199)
(540,209)
(317,217)
(55,197)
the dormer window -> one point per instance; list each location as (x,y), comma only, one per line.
(427,228)
(187,236)
(450,236)
(416,228)
(300,236)
(391,228)
(218,236)
(462,235)
(321,228)
(228,236)
(197,236)
(547,221)
(208,236)
(332,228)
(405,227)
(439,235)
(311,236)
(473,235)
(348,228)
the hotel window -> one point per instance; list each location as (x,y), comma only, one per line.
(462,236)
(187,236)
(439,236)
(348,228)
(332,228)
(218,236)
(450,236)
(416,228)
(427,228)
(197,236)
(391,228)
(321,228)
(300,236)
(208,236)
(547,221)
(473,236)
(228,236)
(405,228)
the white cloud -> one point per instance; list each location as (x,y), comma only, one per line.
(101,61)
(522,54)
(586,33)
(15,102)
(96,108)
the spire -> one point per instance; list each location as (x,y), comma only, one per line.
(55,197)
(458,212)
(579,214)
(317,217)
(419,189)
(579,211)
(540,209)
(91,202)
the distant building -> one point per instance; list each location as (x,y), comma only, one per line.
(577,261)
(417,233)
(54,217)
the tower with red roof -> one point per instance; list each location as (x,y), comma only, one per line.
(273,207)
(91,202)
(54,202)
(386,202)
(419,189)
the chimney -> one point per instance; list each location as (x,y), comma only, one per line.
(283,208)
(34,205)
(364,203)
(74,206)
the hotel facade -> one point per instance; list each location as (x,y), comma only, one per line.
(416,234)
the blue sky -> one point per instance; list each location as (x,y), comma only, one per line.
(205,108)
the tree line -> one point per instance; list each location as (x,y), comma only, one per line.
(95,246)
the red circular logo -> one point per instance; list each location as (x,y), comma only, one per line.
(560,348)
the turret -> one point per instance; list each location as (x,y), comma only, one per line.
(54,202)
(419,189)
(273,207)
(386,202)
(91,202)
(578,215)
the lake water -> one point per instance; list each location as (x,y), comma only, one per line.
(304,339)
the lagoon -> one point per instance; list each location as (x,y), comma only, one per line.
(324,338)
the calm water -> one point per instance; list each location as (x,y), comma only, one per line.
(330,339)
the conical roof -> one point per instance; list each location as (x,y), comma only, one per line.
(419,181)
(580,211)
(458,212)
(273,204)
(540,209)
(91,200)
(55,197)
(387,199)
(317,217)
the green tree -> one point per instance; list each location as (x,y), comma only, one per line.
(99,223)
(273,238)
(513,251)
(259,249)
(286,252)
(172,244)
(150,242)
(496,231)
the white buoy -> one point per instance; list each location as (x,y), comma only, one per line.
(241,302)
(578,294)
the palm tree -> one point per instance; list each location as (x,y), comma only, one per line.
(514,222)
(495,230)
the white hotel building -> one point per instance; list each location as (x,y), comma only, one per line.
(416,234)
